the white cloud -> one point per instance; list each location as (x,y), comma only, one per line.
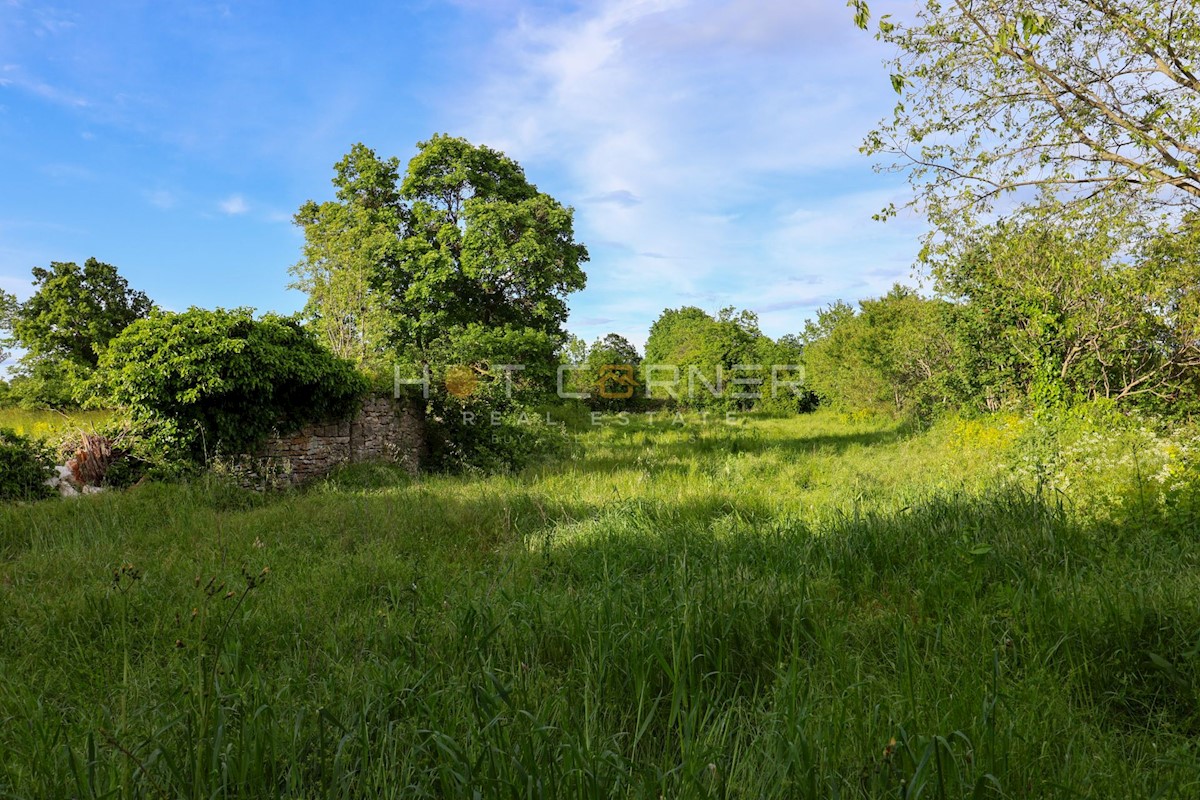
(68,173)
(161,198)
(233,205)
(695,136)
(12,75)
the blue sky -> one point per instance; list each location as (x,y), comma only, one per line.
(709,147)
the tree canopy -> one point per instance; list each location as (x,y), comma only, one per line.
(1080,309)
(65,325)
(897,354)
(705,358)
(1073,97)
(464,238)
(454,270)
(75,312)
(346,243)
(611,378)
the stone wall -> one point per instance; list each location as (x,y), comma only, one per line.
(385,429)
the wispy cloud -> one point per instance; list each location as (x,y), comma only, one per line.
(52,21)
(619,197)
(721,132)
(68,173)
(161,198)
(233,205)
(12,76)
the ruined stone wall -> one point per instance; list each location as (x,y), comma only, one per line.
(385,429)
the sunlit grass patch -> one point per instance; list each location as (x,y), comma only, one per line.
(47,424)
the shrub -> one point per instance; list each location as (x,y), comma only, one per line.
(25,464)
(205,382)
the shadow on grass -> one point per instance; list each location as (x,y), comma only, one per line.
(1122,642)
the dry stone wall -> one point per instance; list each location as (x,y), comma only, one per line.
(385,429)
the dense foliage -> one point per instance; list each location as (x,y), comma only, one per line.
(459,265)
(606,376)
(1051,308)
(206,382)
(346,242)
(25,464)
(722,363)
(1078,310)
(897,355)
(486,386)
(64,326)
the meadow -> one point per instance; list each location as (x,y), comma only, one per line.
(818,606)
(48,424)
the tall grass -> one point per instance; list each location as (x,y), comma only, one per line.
(814,607)
(47,424)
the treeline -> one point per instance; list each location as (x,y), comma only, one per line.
(1040,312)
(694,361)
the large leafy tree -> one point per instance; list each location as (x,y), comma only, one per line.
(1067,309)
(1073,97)
(897,354)
(483,245)
(612,371)
(708,354)
(459,266)
(64,327)
(463,239)
(76,311)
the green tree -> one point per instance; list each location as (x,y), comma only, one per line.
(787,390)
(469,268)
(897,355)
(612,370)
(347,242)
(8,313)
(464,239)
(709,360)
(573,351)
(65,325)
(1063,309)
(483,245)
(75,312)
(1071,96)
(219,381)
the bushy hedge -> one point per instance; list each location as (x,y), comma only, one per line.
(25,464)
(205,382)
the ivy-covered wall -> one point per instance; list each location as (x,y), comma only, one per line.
(385,429)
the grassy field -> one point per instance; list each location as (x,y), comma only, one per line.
(46,424)
(809,607)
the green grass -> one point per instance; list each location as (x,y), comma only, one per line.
(47,424)
(810,607)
